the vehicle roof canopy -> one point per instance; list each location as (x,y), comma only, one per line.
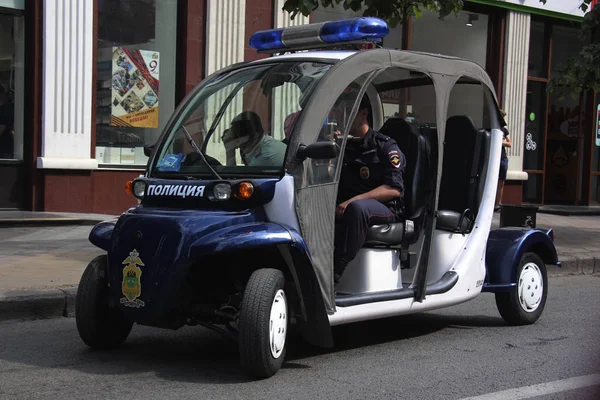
(414,60)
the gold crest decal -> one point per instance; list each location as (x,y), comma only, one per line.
(132,284)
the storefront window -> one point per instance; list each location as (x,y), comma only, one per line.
(538,51)
(565,44)
(464,35)
(136,77)
(12,44)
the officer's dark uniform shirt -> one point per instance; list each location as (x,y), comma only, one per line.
(373,162)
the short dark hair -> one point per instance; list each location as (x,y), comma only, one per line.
(366,103)
(247,123)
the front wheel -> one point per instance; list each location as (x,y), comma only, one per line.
(99,326)
(263,323)
(525,303)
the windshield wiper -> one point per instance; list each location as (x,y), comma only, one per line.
(195,146)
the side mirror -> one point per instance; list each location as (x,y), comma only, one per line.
(319,151)
(148,149)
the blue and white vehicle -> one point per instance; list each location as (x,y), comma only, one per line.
(234,229)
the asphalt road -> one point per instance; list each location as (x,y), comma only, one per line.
(457,353)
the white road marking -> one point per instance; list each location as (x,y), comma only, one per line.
(527,392)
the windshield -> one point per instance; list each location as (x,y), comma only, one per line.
(240,123)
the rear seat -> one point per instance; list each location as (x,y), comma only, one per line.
(466,151)
(416,149)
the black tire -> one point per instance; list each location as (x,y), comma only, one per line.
(256,356)
(509,304)
(99,326)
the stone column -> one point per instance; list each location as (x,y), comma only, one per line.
(515,88)
(226,32)
(67,90)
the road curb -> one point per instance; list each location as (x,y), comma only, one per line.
(573,265)
(44,303)
(41,222)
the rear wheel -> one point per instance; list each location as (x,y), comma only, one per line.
(525,303)
(263,323)
(99,326)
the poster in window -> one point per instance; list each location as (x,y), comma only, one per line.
(135,78)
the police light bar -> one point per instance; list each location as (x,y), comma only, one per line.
(319,35)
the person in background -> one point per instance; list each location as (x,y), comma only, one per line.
(288,126)
(506,142)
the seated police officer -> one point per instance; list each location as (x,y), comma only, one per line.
(371,187)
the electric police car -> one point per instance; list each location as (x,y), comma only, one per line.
(234,229)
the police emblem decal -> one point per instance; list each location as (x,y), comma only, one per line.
(394,158)
(365,173)
(131,286)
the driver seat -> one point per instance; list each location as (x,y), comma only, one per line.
(415,148)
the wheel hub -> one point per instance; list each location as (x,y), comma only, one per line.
(531,287)
(278,324)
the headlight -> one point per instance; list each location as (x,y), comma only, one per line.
(222,191)
(139,188)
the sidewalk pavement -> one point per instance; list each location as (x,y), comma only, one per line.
(40,266)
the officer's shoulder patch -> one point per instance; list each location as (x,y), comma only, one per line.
(394,158)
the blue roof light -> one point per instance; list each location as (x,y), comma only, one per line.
(354,29)
(320,34)
(267,40)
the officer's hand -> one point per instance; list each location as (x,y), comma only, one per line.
(340,209)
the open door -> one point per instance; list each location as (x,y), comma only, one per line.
(331,106)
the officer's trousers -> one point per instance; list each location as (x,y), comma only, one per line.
(351,229)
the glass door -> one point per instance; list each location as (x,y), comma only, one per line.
(534,142)
(563,158)
(564,134)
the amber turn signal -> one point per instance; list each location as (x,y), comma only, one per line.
(128,188)
(244,191)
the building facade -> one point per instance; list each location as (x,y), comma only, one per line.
(86,84)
